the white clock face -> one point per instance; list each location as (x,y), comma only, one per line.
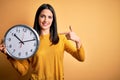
(21,42)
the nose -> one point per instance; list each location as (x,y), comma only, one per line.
(46,19)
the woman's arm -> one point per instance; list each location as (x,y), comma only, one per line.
(78,51)
(21,66)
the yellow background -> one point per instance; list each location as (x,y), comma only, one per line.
(97,22)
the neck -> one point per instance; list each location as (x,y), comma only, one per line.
(44,32)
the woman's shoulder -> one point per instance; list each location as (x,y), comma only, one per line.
(61,36)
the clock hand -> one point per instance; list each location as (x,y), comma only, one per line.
(22,39)
(19,39)
(28,40)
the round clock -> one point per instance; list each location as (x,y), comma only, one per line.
(21,41)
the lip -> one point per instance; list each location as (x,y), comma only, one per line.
(45,24)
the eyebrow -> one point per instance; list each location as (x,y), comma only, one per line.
(45,15)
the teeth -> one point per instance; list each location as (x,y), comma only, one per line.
(45,24)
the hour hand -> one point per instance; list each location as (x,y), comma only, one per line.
(19,39)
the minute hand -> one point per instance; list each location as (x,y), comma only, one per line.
(28,40)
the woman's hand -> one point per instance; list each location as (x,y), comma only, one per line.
(72,36)
(2,48)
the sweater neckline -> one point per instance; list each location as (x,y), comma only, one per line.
(45,35)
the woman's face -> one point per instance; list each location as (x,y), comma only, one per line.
(45,19)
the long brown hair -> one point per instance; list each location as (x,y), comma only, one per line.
(53,28)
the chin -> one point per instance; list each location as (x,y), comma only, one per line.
(45,28)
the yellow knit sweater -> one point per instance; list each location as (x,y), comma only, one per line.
(47,63)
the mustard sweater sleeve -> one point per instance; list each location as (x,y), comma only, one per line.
(21,66)
(79,54)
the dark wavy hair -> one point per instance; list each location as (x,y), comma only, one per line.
(53,28)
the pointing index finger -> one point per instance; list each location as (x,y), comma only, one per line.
(70,28)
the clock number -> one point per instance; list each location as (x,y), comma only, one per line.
(13,50)
(25,29)
(31,50)
(34,44)
(30,33)
(9,39)
(10,46)
(26,53)
(19,54)
(12,34)
(18,30)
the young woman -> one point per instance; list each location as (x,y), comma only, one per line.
(47,63)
